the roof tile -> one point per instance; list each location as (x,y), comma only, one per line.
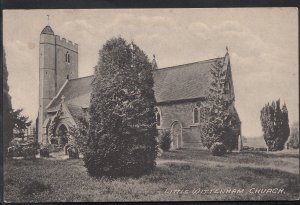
(188,81)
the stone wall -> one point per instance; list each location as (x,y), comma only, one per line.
(65,69)
(47,88)
(183,113)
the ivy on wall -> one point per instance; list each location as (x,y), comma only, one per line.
(53,124)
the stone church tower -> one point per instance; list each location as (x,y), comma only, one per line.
(58,62)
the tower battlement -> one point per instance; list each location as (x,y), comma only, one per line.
(66,43)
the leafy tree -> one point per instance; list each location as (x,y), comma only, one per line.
(275,125)
(216,117)
(122,119)
(80,134)
(284,128)
(294,137)
(20,122)
(52,127)
(165,140)
(7,118)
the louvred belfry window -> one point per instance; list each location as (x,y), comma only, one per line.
(67,57)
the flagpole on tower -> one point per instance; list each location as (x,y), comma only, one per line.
(48,18)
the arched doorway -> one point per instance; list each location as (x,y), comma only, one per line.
(62,134)
(176,135)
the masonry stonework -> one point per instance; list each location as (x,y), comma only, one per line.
(54,70)
(183,113)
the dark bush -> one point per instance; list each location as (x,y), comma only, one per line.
(73,152)
(229,139)
(115,163)
(34,187)
(44,152)
(11,151)
(165,141)
(218,149)
(28,153)
(15,151)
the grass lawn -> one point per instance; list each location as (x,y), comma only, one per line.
(180,175)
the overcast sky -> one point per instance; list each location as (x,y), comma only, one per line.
(262,42)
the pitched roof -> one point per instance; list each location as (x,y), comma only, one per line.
(76,112)
(188,81)
(182,82)
(76,91)
(47,30)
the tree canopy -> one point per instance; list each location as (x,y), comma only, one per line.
(275,125)
(20,122)
(293,141)
(122,120)
(216,119)
(7,118)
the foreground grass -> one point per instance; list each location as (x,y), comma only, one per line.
(67,180)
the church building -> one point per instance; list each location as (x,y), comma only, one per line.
(179,92)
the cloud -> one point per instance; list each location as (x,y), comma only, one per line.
(78,24)
(228,26)
(23,75)
(264,55)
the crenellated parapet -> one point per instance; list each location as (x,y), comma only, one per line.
(66,43)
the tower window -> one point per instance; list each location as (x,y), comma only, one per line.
(67,57)
(196,115)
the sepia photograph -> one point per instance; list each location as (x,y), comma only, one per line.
(181,104)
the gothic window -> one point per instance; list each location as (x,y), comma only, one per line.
(158,116)
(227,88)
(67,57)
(196,115)
(158,119)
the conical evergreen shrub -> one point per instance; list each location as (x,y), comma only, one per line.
(122,130)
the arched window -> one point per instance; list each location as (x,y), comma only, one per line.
(158,116)
(226,88)
(158,119)
(67,57)
(196,115)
